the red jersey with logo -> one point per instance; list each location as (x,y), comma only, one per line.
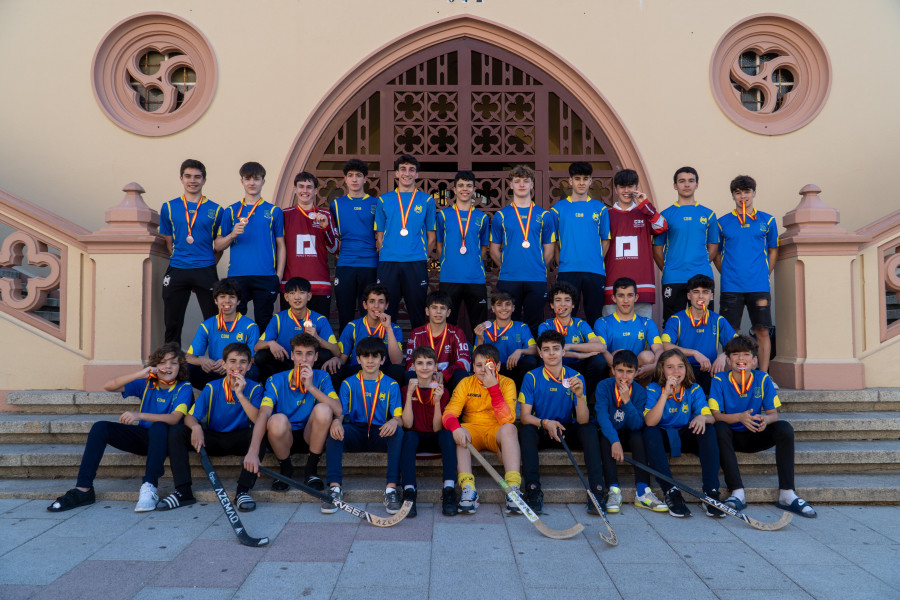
(631,248)
(423,408)
(307,246)
(452,349)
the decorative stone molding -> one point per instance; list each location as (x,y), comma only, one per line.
(117,61)
(799,51)
(21,248)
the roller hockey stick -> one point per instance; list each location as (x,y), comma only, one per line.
(556,534)
(610,539)
(230,513)
(349,508)
(761,525)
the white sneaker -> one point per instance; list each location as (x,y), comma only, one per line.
(614,500)
(147,499)
(650,501)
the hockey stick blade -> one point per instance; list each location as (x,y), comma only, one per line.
(760,525)
(556,534)
(230,513)
(348,508)
(611,537)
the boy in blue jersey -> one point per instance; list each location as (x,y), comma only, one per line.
(699,332)
(749,249)
(523,245)
(296,411)
(215,333)
(221,420)
(372,408)
(189,225)
(405,237)
(625,330)
(689,245)
(273,349)
(512,339)
(582,236)
(463,236)
(745,405)
(620,403)
(357,263)
(554,406)
(677,416)
(583,350)
(254,230)
(165,395)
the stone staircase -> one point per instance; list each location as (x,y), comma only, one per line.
(847,451)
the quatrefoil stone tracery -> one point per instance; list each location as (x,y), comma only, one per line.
(162,79)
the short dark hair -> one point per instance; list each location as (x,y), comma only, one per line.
(622,283)
(306,176)
(423,352)
(703,282)
(464,176)
(438,298)
(226,287)
(580,168)
(375,288)
(488,351)
(406,159)
(239,348)
(690,170)
(192,164)
(550,336)
(562,287)
(371,346)
(160,354)
(304,340)
(297,283)
(742,182)
(355,164)
(626,177)
(741,343)
(625,357)
(501,296)
(252,169)
(659,375)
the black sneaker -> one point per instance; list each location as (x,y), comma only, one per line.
(315,483)
(392,501)
(534,497)
(280,486)
(712,511)
(448,501)
(410,494)
(591,509)
(73,499)
(675,502)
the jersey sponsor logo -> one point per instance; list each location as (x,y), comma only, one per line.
(360,208)
(638,222)
(627,246)
(689,218)
(473,395)
(626,333)
(306,245)
(578,214)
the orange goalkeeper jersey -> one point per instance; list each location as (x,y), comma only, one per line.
(471,402)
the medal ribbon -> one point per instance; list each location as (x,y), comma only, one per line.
(226,383)
(619,396)
(404,216)
(371,414)
(419,396)
(440,346)
(678,397)
(378,331)
(559,326)
(252,210)
(562,375)
(306,214)
(703,319)
(294,380)
(187,215)
(525,228)
(297,321)
(745,215)
(464,231)
(496,337)
(745,384)
(155,381)
(220,323)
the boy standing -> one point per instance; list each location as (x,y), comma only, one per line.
(448,342)
(189,225)
(404,235)
(624,330)
(512,339)
(254,230)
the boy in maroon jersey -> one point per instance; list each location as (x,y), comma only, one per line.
(448,341)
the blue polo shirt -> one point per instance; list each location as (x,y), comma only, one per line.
(761,396)
(610,417)
(388,403)
(210,341)
(685,250)
(283,328)
(253,252)
(468,267)
(549,399)
(677,414)
(581,228)
(157,399)
(356,330)
(631,334)
(745,251)
(213,409)
(706,339)
(413,246)
(294,404)
(354,219)
(578,332)
(518,263)
(517,337)
(173,222)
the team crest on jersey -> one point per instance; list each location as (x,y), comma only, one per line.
(619,416)
(685,408)
(373,209)
(596,216)
(211,213)
(704,220)
(640,335)
(638,222)
(418,209)
(381,396)
(758,392)
(239,337)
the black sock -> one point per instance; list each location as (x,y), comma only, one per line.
(243,489)
(287,467)
(312,463)
(184,492)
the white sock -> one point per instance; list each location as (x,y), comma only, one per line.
(786,496)
(388,490)
(739,494)
(449,483)
(409,487)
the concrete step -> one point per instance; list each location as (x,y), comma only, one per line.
(878,399)
(60,402)
(874,425)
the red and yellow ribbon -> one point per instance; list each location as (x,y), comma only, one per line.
(419,396)
(187,214)
(678,396)
(404,215)
(703,319)
(745,215)
(362,387)
(294,381)
(377,331)
(440,346)
(559,326)
(220,322)
(463,230)
(252,210)
(525,228)
(297,321)
(496,337)
(744,386)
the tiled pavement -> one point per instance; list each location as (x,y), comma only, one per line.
(107,551)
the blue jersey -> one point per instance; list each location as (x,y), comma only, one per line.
(360,409)
(213,409)
(581,228)
(612,416)
(547,397)
(212,341)
(174,222)
(354,219)
(411,247)
(577,332)
(631,334)
(283,328)
(159,399)
(296,405)
(761,396)
(685,250)
(468,267)
(506,341)
(705,338)
(357,330)
(253,252)
(745,251)
(677,414)
(518,263)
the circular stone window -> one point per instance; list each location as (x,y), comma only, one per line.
(154,74)
(770,74)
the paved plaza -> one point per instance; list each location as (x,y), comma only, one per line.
(108,552)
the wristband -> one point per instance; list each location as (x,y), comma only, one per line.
(451,422)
